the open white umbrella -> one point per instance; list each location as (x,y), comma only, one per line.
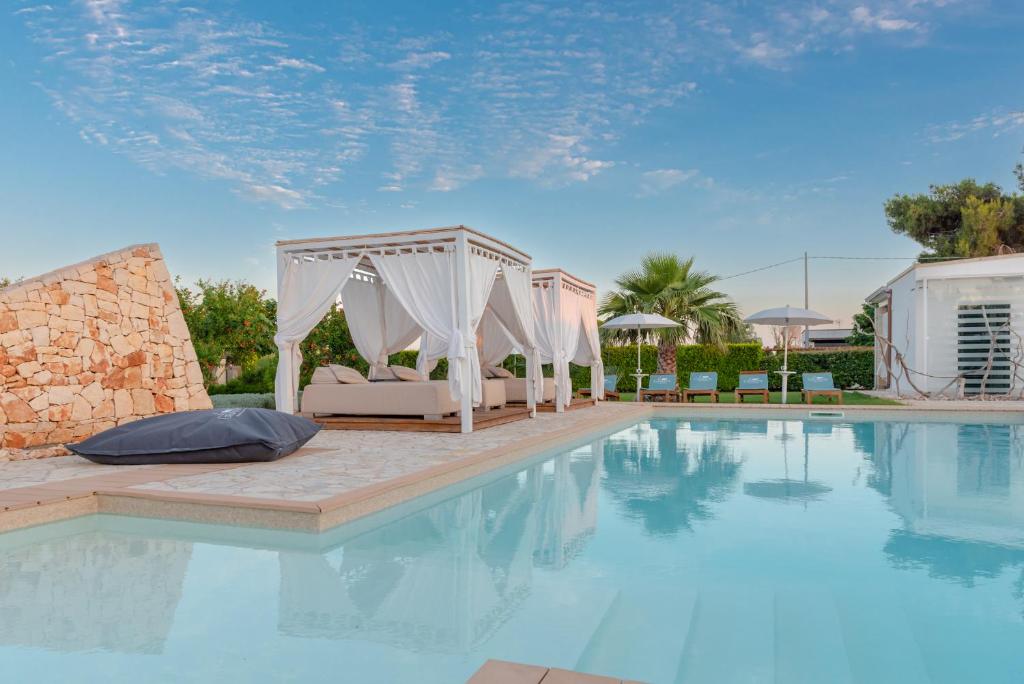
(787,316)
(638,322)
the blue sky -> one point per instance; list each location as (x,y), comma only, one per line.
(742,133)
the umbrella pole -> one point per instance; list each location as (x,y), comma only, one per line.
(638,371)
(785,363)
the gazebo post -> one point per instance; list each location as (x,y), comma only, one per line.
(531,383)
(462,321)
(559,399)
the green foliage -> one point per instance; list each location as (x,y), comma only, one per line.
(960,220)
(850,368)
(702,357)
(258,379)
(330,342)
(668,285)
(226,319)
(262,400)
(863,327)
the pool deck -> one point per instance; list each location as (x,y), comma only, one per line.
(343,475)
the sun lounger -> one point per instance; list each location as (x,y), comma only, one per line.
(703,384)
(610,393)
(752,384)
(661,387)
(820,385)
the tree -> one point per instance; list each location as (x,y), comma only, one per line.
(863,327)
(229,320)
(668,285)
(960,220)
(743,333)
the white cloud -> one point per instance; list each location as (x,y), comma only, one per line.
(997,122)
(658,181)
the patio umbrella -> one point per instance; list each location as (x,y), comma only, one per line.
(638,322)
(787,316)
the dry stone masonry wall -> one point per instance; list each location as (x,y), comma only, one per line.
(91,346)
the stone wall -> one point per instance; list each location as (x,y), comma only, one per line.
(91,346)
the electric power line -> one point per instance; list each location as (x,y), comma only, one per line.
(839,258)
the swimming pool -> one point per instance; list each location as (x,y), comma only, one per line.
(674,550)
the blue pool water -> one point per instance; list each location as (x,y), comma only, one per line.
(669,551)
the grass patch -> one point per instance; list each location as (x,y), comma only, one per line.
(793,398)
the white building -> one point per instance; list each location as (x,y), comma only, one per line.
(947,318)
(825,338)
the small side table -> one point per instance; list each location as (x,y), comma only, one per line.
(785,382)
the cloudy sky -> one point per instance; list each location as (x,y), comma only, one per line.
(742,133)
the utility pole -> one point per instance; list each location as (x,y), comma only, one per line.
(807,299)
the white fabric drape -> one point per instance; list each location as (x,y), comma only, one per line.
(567,342)
(379,325)
(589,351)
(512,304)
(306,292)
(425,286)
(498,341)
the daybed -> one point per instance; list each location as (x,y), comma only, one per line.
(516,388)
(430,400)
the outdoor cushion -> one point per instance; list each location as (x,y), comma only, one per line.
(406,373)
(703,381)
(229,435)
(499,372)
(756,381)
(817,382)
(349,376)
(662,381)
(323,376)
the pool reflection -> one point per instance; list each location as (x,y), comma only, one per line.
(446,578)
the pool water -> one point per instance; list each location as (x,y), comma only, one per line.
(669,551)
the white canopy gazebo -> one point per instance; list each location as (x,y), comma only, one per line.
(396,287)
(565,316)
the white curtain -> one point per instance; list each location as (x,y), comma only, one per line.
(306,291)
(589,351)
(497,341)
(568,341)
(379,325)
(512,304)
(424,284)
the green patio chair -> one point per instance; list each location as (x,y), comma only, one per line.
(703,384)
(820,385)
(752,384)
(661,387)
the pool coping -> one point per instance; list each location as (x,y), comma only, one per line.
(111,493)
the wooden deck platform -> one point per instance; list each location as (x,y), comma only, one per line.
(502,672)
(576,403)
(481,420)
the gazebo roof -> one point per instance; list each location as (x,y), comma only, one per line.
(412,239)
(546,277)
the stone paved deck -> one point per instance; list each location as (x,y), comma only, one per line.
(337,476)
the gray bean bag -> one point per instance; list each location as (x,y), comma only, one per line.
(227,435)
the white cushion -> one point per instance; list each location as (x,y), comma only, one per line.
(406,373)
(499,372)
(323,376)
(347,376)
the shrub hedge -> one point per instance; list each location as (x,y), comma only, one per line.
(247,400)
(852,368)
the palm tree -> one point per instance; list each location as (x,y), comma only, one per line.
(668,285)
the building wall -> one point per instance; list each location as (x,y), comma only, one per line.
(91,346)
(925,332)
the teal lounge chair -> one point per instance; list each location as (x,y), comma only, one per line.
(704,384)
(752,384)
(820,385)
(661,386)
(610,391)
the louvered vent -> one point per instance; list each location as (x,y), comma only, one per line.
(984,329)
